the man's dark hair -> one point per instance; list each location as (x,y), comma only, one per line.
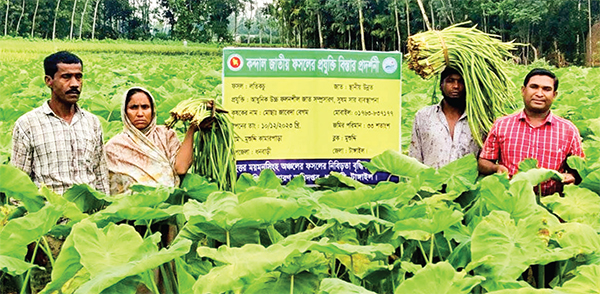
(541,72)
(447,72)
(50,63)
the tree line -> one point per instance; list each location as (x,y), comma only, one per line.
(195,20)
(555,29)
(71,19)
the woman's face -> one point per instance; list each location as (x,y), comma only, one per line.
(139,110)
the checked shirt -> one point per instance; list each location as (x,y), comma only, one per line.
(513,139)
(58,154)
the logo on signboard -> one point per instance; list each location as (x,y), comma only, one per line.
(235,62)
(390,65)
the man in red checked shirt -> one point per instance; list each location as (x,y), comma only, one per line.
(533,133)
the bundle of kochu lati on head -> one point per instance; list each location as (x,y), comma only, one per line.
(482,60)
(214,153)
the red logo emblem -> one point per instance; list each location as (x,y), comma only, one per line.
(235,62)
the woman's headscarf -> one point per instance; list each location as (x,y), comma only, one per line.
(148,155)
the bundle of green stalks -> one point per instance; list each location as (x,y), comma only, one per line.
(482,60)
(214,153)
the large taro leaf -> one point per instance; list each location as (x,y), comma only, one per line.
(439,278)
(586,280)
(338,180)
(111,254)
(376,251)
(402,192)
(423,229)
(579,164)
(518,200)
(361,265)
(142,206)
(313,262)
(146,259)
(86,198)
(580,236)
(268,180)
(215,218)
(460,175)
(185,280)
(396,164)
(246,264)
(528,164)
(20,187)
(592,181)
(244,182)
(307,235)
(102,249)
(217,206)
(19,232)
(66,266)
(270,210)
(428,180)
(501,250)
(536,176)
(198,187)
(297,182)
(242,265)
(277,282)
(257,192)
(354,219)
(14,266)
(70,210)
(337,286)
(527,291)
(578,205)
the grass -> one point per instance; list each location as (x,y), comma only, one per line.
(23,49)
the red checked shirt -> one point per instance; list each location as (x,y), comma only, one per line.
(513,139)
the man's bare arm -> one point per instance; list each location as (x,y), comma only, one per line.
(488,167)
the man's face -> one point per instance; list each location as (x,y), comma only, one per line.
(66,82)
(538,94)
(453,87)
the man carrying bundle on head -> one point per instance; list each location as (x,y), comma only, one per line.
(441,132)
(475,86)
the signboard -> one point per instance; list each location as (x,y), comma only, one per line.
(312,111)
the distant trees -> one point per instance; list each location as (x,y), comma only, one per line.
(552,27)
(200,20)
(76,18)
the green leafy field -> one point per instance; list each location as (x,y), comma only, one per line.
(435,231)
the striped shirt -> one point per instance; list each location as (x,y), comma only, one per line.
(431,141)
(58,154)
(513,139)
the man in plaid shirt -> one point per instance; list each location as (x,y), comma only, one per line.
(533,133)
(58,144)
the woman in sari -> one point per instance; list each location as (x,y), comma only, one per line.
(145,153)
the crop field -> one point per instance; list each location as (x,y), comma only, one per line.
(433,231)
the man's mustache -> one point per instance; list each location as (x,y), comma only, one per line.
(73,91)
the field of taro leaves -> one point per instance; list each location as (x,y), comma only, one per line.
(427,231)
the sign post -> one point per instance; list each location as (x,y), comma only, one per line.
(312,112)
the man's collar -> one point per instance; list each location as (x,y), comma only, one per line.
(438,108)
(523,116)
(47,110)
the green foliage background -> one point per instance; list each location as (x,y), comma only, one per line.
(435,231)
